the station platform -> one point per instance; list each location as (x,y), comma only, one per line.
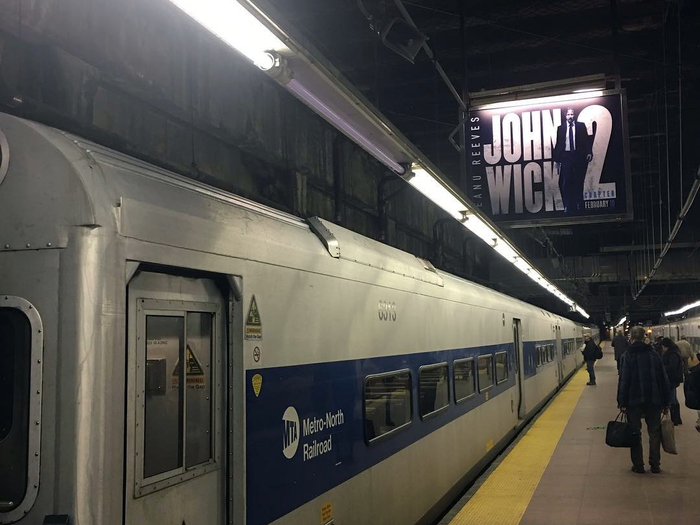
(560,471)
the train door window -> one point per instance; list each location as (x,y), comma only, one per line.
(501,367)
(388,404)
(538,351)
(20,377)
(485,366)
(433,389)
(176,389)
(464,379)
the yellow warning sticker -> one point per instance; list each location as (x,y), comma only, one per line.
(196,379)
(253,324)
(326,513)
(489,445)
(257,384)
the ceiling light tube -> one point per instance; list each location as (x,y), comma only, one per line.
(425,183)
(582,312)
(541,100)
(346,127)
(235,25)
(683,310)
(622,321)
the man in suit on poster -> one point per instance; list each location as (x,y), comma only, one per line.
(572,153)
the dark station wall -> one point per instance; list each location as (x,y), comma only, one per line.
(140,77)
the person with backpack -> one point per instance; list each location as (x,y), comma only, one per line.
(591,352)
(643,391)
(675,370)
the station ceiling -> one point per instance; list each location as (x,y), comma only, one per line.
(654,47)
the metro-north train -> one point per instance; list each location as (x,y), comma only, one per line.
(688,328)
(173,354)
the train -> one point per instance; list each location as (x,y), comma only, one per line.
(175,354)
(685,327)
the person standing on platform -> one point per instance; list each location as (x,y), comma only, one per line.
(673,363)
(572,153)
(591,352)
(620,344)
(691,361)
(643,390)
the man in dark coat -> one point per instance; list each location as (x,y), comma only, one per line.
(620,344)
(590,354)
(644,390)
(572,153)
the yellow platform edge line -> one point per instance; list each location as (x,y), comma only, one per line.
(506,493)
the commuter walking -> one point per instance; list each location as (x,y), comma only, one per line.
(591,352)
(673,364)
(643,390)
(620,344)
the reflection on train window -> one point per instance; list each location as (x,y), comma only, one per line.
(485,366)
(164,400)
(199,392)
(433,389)
(15,352)
(501,367)
(464,379)
(387,404)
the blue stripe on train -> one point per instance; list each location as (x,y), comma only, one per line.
(305,430)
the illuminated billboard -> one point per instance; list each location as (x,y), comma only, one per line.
(554,160)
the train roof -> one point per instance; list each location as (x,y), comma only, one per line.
(55,182)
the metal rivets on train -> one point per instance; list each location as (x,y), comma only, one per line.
(29,245)
(48,245)
(7,246)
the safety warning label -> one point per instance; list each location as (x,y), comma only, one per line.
(253,324)
(196,380)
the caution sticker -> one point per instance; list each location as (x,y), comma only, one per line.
(253,324)
(257,384)
(326,513)
(196,379)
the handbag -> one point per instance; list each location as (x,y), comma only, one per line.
(619,433)
(668,437)
(598,352)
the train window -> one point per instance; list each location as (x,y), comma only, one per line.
(501,367)
(178,412)
(433,389)
(388,404)
(164,402)
(15,353)
(464,379)
(21,352)
(485,366)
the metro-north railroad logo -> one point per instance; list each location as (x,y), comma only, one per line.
(290,432)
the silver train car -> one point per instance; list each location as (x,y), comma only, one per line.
(174,354)
(688,328)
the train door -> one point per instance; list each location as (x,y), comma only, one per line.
(175,436)
(519,366)
(559,357)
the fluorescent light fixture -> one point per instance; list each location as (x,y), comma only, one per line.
(523,265)
(235,25)
(542,100)
(683,310)
(621,322)
(339,122)
(429,186)
(505,251)
(582,311)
